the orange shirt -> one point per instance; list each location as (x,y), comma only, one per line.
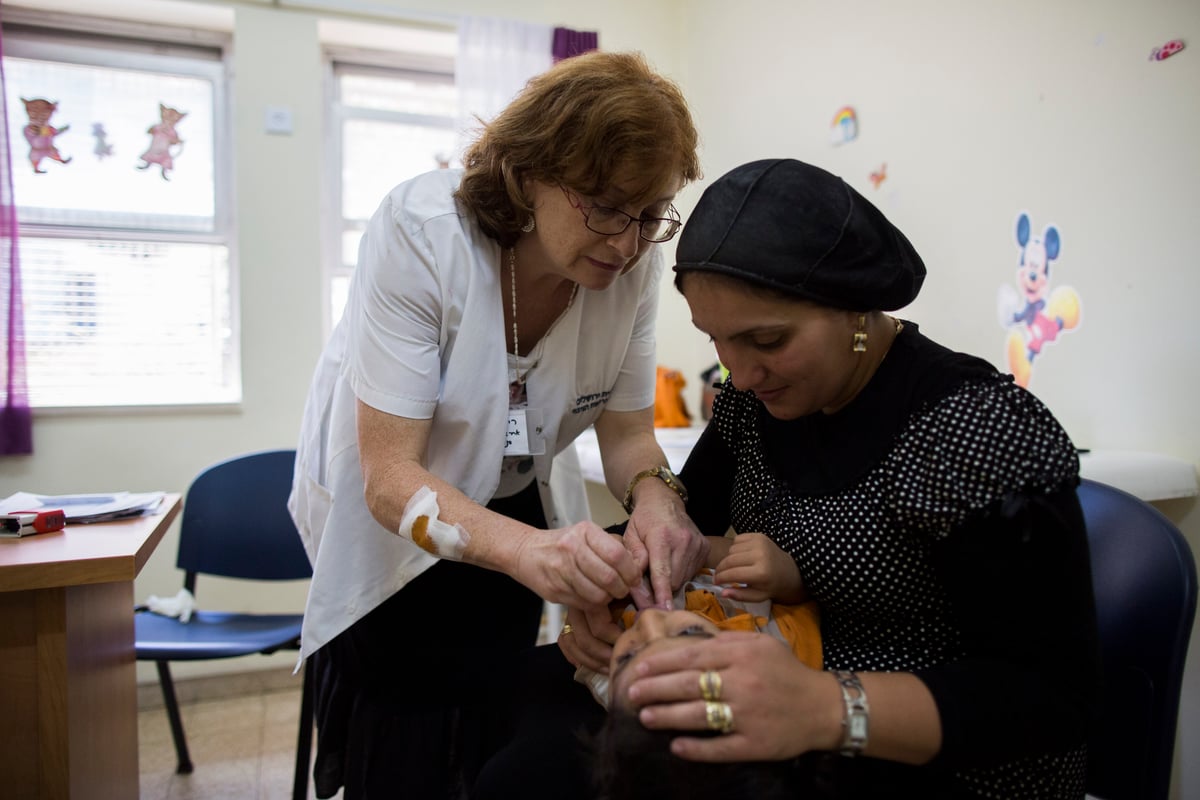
(799,624)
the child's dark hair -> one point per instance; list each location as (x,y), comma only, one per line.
(632,762)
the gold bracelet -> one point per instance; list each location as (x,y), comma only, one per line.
(662,473)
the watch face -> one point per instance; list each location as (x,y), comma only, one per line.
(858,727)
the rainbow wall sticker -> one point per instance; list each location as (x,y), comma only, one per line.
(845,126)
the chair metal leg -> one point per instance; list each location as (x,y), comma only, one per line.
(304,738)
(184,761)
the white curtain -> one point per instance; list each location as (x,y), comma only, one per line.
(495,59)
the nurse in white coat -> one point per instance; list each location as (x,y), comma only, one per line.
(495,313)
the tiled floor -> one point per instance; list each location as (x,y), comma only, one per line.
(242,748)
(241,733)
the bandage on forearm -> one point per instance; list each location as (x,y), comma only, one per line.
(420,525)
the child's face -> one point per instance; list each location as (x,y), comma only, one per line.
(654,630)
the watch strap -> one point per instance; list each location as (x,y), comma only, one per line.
(662,473)
(857,716)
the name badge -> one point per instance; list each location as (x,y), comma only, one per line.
(523,433)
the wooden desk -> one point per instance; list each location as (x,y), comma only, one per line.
(68,677)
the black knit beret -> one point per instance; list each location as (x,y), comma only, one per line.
(798,229)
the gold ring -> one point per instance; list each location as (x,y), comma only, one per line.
(710,685)
(566,629)
(719,717)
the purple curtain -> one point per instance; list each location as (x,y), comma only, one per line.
(16,423)
(569,43)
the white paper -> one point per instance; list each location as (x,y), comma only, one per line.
(81,508)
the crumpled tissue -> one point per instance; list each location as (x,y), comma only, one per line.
(181,605)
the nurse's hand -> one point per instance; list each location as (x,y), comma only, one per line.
(667,544)
(580,566)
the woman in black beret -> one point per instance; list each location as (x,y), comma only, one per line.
(928,502)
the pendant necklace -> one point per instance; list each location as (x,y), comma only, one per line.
(512,272)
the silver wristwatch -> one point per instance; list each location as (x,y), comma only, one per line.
(857,717)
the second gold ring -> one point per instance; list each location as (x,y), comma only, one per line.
(719,717)
(566,629)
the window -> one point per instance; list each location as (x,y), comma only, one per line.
(389,123)
(125,219)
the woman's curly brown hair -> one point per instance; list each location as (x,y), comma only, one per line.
(587,123)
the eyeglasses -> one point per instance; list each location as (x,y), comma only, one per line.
(614,221)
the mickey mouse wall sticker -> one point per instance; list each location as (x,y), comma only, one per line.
(1033,315)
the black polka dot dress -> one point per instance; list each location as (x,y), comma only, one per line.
(915,514)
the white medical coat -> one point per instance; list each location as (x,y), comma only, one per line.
(423,337)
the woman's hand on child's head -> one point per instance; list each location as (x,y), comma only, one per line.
(779,707)
(759,570)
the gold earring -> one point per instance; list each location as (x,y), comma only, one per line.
(860,335)
(528,226)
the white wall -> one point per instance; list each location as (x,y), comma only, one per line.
(982,109)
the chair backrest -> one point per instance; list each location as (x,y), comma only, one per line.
(1145,586)
(236,522)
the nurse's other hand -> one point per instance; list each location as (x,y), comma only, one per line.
(579,566)
(586,639)
(668,545)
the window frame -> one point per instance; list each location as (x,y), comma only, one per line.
(69,38)
(339,60)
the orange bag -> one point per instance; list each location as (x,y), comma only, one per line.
(669,408)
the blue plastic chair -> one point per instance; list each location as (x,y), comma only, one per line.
(235,525)
(1145,586)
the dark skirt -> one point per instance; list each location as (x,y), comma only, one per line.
(414,698)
